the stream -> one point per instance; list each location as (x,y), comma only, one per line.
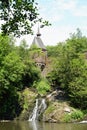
(26,125)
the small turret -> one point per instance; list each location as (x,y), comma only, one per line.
(38,32)
(38,41)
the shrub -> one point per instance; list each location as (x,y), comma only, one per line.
(67,118)
(77,115)
(43,86)
(74,116)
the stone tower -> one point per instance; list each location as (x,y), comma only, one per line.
(39,58)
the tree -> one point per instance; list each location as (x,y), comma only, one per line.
(11,70)
(31,72)
(78,34)
(70,70)
(17,71)
(19,16)
(23,50)
(77,86)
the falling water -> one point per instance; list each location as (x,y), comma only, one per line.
(44,104)
(34,113)
(40,106)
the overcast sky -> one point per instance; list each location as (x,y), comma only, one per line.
(65,16)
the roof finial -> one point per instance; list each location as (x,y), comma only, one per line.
(38,31)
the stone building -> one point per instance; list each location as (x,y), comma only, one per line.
(40,55)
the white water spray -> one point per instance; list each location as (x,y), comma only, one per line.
(34,113)
(38,109)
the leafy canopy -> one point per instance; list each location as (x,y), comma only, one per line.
(70,69)
(19,16)
(17,71)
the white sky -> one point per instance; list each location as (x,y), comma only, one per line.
(64,15)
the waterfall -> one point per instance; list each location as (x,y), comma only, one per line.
(44,104)
(34,113)
(40,106)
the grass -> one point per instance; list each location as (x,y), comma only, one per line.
(74,116)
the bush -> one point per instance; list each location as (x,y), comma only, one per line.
(67,118)
(77,115)
(74,116)
(42,87)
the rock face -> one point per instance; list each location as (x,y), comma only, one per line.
(56,112)
(28,98)
(59,110)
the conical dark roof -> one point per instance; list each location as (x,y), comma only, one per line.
(38,42)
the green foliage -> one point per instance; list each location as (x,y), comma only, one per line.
(50,109)
(35,52)
(27,98)
(70,70)
(23,50)
(6,46)
(12,69)
(77,115)
(55,51)
(42,87)
(23,14)
(67,118)
(74,116)
(17,71)
(9,104)
(31,74)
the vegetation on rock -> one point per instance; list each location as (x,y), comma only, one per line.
(42,87)
(61,112)
(27,101)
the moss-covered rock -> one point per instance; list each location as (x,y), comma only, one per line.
(56,111)
(61,112)
(27,101)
